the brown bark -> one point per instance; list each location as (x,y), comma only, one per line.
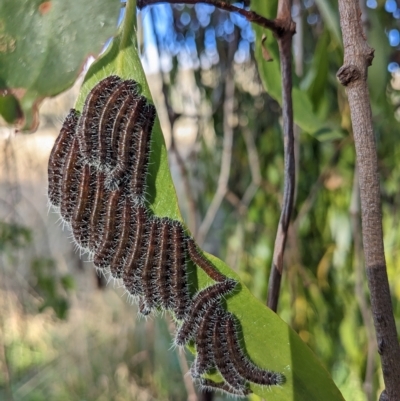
(285,53)
(358,57)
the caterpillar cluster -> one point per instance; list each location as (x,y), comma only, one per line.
(97,174)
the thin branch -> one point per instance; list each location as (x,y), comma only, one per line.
(235,201)
(358,56)
(359,287)
(275,26)
(225,170)
(298,46)
(285,48)
(355,213)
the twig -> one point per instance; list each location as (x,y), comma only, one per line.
(236,202)
(298,45)
(277,26)
(358,57)
(225,170)
(285,49)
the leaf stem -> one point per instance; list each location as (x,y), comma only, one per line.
(128,25)
(285,52)
(277,26)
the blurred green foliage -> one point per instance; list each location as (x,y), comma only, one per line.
(13,236)
(51,287)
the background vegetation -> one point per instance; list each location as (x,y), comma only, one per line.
(62,337)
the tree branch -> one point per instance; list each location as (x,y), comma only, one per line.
(277,26)
(358,57)
(285,51)
(359,287)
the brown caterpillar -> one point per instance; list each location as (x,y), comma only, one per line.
(127,230)
(57,157)
(205,358)
(201,302)
(127,140)
(88,127)
(197,258)
(97,216)
(114,107)
(132,264)
(148,271)
(106,249)
(222,358)
(163,265)
(81,213)
(179,280)
(241,362)
(70,181)
(141,156)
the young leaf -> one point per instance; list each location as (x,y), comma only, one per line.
(269,341)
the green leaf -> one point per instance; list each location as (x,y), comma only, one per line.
(9,108)
(378,75)
(330,15)
(269,341)
(319,71)
(304,115)
(43,46)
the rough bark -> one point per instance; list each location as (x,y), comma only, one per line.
(358,57)
(285,53)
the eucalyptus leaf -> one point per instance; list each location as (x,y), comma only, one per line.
(303,110)
(43,47)
(330,15)
(269,341)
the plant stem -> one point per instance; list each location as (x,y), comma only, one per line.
(275,26)
(285,52)
(129,24)
(358,57)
